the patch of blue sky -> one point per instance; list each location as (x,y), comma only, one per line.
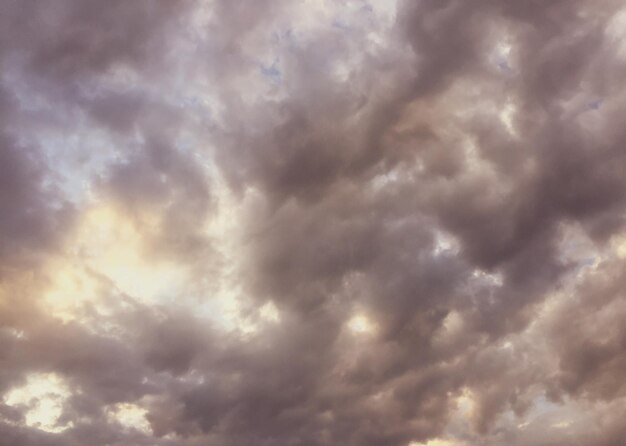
(281,36)
(71,156)
(503,65)
(75,160)
(595,104)
(551,413)
(341,25)
(384,8)
(198,106)
(272,72)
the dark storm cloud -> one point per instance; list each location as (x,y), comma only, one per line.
(32,216)
(51,51)
(70,41)
(591,359)
(376,181)
(12,435)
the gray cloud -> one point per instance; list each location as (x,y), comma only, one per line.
(314,223)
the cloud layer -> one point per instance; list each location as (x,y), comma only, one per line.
(312,223)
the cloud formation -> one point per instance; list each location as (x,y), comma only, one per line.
(312,223)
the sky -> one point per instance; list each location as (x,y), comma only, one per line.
(312,223)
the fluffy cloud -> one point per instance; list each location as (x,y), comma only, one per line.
(312,223)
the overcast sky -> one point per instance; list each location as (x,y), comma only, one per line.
(312,223)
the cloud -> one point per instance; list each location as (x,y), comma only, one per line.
(409,232)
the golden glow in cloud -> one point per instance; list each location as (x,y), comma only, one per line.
(43,396)
(361,324)
(465,403)
(438,442)
(114,245)
(619,246)
(109,245)
(131,416)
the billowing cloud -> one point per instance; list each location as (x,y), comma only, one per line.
(312,223)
